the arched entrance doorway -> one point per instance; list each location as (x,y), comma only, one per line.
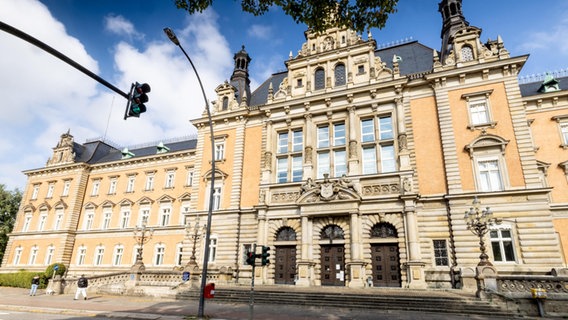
(285,266)
(332,257)
(385,256)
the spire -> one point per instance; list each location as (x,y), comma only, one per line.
(453,20)
(240,76)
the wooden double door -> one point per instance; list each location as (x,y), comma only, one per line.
(386,265)
(285,266)
(332,265)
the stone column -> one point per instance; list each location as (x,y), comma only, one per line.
(353,159)
(305,265)
(308,147)
(267,169)
(415,265)
(356,264)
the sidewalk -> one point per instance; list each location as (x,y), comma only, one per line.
(150,308)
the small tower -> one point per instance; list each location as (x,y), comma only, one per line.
(240,76)
(453,20)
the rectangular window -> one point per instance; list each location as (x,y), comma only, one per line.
(33,255)
(179,255)
(282,170)
(283,142)
(170,178)
(149,182)
(339,134)
(130,184)
(66,187)
(289,160)
(125,219)
(27,222)
(144,216)
(479,112)
(297,169)
(564,132)
(369,160)
(89,221)
(117,259)
(35,192)
(330,158)
(339,163)
(297,141)
(159,257)
(323,137)
(107,214)
(385,128)
(323,164)
(96,186)
(440,253)
(112,186)
(368,130)
(502,245)
(17,256)
(219,151)
(489,175)
(99,253)
(388,161)
(217,198)
(81,256)
(49,255)
(165,217)
(42,220)
(189,180)
(212,249)
(50,188)
(58,219)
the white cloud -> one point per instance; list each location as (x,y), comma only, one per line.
(44,97)
(119,25)
(260,32)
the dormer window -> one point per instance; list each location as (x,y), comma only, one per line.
(126,154)
(225,104)
(549,84)
(161,148)
(466,53)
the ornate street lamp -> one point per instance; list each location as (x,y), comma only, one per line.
(172,36)
(195,236)
(479,221)
(142,235)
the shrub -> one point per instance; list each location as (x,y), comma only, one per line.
(60,271)
(22,279)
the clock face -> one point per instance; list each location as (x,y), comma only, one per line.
(466,53)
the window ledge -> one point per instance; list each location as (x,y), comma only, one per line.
(482,126)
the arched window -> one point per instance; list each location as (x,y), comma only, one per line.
(225,104)
(319,79)
(286,234)
(383,230)
(332,232)
(339,74)
(466,53)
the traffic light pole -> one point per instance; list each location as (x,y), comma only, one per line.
(26,37)
(251,301)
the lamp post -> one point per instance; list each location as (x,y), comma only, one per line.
(479,221)
(142,235)
(194,237)
(172,36)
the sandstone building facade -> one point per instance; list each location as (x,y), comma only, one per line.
(355,165)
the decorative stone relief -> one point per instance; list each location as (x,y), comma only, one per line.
(379,189)
(328,190)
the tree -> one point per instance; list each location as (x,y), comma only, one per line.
(360,16)
(9,204)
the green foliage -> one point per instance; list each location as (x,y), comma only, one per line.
(60,271)
(9,204)
(22,279)
(360,16)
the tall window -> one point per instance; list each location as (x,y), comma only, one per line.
(112,185)
(33,255)
(58,218)
(35,191)
(66,187)
(331,152)
(107,215)
(212,248)
(96,186)
(502,244)
(99,254)
(50,188)
(124,217)
(165,216)
(216,198)
(42,220)
(440,253)
(89,217)
(81,256)
(466,53)
(225,104)
(564,132)
(377,143)
(219,150)
(339,74)
(170,178)
(49,255)
(159,253)
(289,156)
(489,174)
(189,179)
(179,254)
(27,222)
(117,255)
(319,79)
(17,256)
(149,182)
(130,183)
(144,216)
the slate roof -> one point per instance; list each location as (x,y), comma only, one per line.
(416,58)
(531,88)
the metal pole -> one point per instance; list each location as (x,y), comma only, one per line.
(251,300)
(171,35)
(26,37)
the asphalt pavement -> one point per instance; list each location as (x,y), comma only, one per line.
(151,308)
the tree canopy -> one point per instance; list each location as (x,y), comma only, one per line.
(9,205)
(359,15)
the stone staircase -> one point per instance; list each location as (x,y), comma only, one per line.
(447,301)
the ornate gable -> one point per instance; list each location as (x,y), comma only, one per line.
(63,153)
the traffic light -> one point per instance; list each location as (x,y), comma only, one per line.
(136,99)
(251,256)
(264,255)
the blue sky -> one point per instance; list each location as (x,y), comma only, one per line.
(122,41)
